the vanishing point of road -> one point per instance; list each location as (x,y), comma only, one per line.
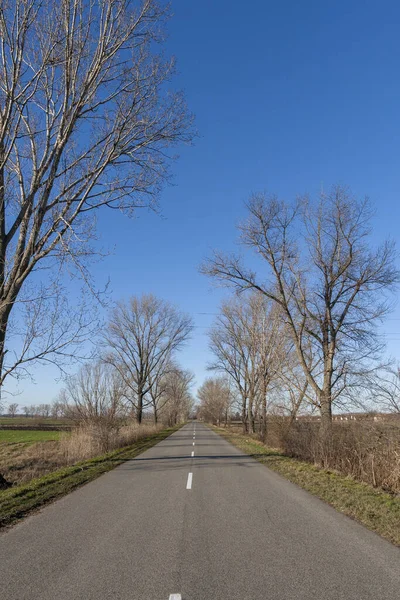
(194,519)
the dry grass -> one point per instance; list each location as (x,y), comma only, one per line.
(87,442)
(22,462)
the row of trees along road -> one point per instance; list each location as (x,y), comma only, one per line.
(136,372)
(215,400)
(315,301)
(87,122)
(245,342)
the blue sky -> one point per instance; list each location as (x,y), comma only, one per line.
(289,96)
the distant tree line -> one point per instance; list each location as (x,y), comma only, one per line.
(136,374)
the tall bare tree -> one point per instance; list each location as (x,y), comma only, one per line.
(270,340)
(86,121)
(12,409)
(94,395)
(215,398)
(245,341)
(179,400)
(158,388)
(27,410)
(327,280)
(233,356)
(57,410)
(142,337)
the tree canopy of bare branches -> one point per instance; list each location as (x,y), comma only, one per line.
(87,120)
(94,395)
(330,285)
(178,398)
(13,409)
(142,337)
(215,396)
(383,388)
(245,341)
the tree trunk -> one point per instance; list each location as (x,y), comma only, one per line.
(326,415)
(3,328)
(155,416)
(139,410)
(264,412)
(291,420)
(244,417)
(325,397)
(251,418)
(326,425)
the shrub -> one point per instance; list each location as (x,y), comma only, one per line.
(366,451)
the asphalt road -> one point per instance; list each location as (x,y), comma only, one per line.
(233,530)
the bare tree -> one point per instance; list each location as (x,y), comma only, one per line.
(56,409)
(47,328)
(270,341)
(231,352)
(43,410)
(328,282)
(383,388)
(179,401)
(215,398)
(13,409)
(291,391)
(94,395)
(141,339)
(86,121)
(245,343)
(158,388)
(27,410)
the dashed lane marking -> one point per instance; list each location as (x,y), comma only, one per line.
(189,481)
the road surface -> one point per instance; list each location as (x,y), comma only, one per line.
(213,526)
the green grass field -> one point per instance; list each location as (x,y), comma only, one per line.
(15,436)
(26,421)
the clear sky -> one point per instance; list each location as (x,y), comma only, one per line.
(289,96)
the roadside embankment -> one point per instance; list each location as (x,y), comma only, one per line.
(374,508)
(17,501)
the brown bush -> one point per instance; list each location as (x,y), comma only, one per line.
(92,440)
(367,451)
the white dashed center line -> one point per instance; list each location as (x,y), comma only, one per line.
(175,597)
(193,443)
(193,453)
(189,481)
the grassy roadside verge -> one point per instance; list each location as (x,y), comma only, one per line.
(18,501)
(374,508)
